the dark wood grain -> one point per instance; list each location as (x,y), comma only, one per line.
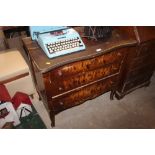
(140,61)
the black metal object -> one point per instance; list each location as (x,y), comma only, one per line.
(97,32)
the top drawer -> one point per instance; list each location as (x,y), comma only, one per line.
(86,65)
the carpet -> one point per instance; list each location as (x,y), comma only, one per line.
(32,121)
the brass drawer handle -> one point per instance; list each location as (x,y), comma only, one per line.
(60,88)
(59,73)
(119,54)
(111,82)
(115,68)
(49,77)
(61,103)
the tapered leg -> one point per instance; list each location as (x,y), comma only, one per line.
(52,117)
(119,96)
(112,94)
(39,98)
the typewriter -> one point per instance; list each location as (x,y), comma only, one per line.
(57,40)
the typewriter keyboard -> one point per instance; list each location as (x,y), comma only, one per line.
(64,45)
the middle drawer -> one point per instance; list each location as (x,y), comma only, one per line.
(57,86)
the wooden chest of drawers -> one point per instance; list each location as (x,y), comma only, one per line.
(69,80)
(141,61)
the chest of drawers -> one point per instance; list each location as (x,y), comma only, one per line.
(69,80)
(141,60)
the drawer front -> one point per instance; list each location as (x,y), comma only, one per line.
(142,61)
(146,48)
(140,71)
(86,65)
(61,86)
(136,82)
(82,94)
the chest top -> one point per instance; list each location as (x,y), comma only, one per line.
(93,49)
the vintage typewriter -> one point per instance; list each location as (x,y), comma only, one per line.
(57,40)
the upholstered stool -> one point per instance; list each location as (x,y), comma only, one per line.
(15,73)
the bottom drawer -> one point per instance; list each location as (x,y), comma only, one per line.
(82,94)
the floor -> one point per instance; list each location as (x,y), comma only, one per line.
(135,111)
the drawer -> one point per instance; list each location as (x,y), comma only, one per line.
(140,71)
(86,65)
(142,61)
(137,81)
(146,48)
(68,83)
(82,94)
(57,86)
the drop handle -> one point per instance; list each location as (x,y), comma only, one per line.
(59,73)
(111,82)
(60,88)
(49,77)
(119,54)
(114,68)
(50,81)
(61,103)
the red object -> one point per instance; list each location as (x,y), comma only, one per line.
(19,98)
(4,94)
